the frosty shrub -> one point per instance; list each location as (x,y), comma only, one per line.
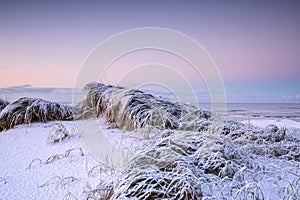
(26,110)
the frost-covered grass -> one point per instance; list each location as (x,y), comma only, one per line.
(234,165)
(131,109)
(27,110)
(58,133)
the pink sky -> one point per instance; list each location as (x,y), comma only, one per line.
(45,44)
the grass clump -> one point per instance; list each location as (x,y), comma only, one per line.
(27,110)
(57,134)
(131,109)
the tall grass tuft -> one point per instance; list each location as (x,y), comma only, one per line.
(26,110)
(131,109)
(164,169)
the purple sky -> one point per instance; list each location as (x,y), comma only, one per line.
(255,45)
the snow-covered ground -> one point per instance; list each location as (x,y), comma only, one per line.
(31,168)
(282,123)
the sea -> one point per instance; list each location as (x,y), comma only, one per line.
(253,111)
(239,111)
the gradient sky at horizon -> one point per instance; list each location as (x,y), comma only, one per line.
(256,44)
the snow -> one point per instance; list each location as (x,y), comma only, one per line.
(22,176)
(283,123)
(293,126)
(20,146)
(151,153)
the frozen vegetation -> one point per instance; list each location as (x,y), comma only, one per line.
(3,104)
(185,155)
(26,110)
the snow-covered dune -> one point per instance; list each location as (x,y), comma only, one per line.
(130,144)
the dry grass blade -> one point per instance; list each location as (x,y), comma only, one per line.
(78,149)
(54,158)
(94,170)
(55,179)
(69,196)
(59,181)
(66,180)
(34,162)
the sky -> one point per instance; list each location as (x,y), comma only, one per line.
(256,45)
